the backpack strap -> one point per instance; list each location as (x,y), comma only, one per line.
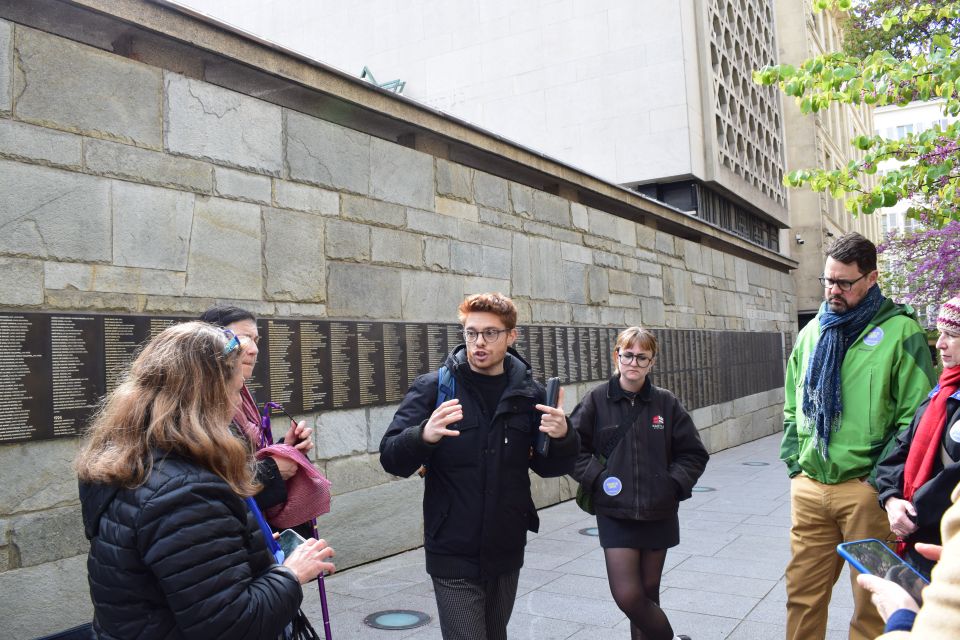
(446,386)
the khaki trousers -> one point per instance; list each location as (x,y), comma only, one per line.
(823,516)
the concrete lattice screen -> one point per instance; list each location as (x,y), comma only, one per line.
(747,118)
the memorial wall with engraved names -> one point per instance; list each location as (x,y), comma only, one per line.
(54,368)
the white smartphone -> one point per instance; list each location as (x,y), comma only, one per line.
(289,540)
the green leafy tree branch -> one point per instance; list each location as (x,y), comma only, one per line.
(930,177)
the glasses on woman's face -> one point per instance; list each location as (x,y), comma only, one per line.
(232,344)
(643,361)
(490,335)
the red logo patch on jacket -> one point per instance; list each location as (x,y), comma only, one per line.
(657,422)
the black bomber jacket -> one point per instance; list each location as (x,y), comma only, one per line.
(656,463)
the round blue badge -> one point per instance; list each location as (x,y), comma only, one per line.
(612,486)
(873,338)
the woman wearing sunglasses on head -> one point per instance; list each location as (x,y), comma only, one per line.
(175,550)
(640,455)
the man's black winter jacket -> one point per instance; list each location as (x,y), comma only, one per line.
(181,556)
(477,505)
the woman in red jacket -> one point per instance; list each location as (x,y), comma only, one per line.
(640,455)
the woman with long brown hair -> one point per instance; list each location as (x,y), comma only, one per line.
(175,550)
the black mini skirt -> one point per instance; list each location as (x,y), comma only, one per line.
(617,533)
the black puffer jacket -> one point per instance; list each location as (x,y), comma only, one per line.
(477,505)
(657,462)
(182,557)
(932,499)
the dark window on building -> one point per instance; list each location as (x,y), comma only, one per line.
(710,206)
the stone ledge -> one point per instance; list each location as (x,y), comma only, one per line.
(152,167)
(19,140)
(46,598)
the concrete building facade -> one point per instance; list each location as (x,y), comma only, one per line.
(152,163)
(658,98)
(820,140)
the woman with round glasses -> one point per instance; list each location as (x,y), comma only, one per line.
(175,552)
(640,455)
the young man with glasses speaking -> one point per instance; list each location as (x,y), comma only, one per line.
(477,447)
(855,377)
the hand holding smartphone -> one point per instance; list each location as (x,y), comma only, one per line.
(874,557)
(289,540)
(552,397)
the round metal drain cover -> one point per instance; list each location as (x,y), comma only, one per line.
(756,464)
(702,489)
(396,619)
(590,531)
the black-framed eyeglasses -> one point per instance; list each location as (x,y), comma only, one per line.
(490,335)
(643,361)
(232,344)
(830,283)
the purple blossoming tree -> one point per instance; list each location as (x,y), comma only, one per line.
(923,266)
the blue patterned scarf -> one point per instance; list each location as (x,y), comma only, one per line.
(821,389)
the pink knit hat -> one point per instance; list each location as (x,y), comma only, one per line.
(949,317)
(308,492)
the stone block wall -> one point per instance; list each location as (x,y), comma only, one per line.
(129,187)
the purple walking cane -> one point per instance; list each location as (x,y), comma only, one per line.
(266,438)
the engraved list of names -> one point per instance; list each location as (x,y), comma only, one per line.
(55,367)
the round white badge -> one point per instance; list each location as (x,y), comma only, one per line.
(612,486)
(873,338)
(955,432)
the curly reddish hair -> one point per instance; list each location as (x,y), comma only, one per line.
(495,303)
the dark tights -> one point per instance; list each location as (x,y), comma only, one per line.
(634,576)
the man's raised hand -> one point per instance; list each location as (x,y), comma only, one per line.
(447,413)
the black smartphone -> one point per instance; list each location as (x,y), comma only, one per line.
(874,557)
(542,445)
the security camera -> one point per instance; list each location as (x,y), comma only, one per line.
(800,240)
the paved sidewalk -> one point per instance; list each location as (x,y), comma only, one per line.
(724,580)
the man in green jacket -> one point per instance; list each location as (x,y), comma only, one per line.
(855,377)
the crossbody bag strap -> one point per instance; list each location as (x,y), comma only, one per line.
(272,545)
(622,429)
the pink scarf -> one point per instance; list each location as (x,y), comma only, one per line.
(248,419)
(308,492)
